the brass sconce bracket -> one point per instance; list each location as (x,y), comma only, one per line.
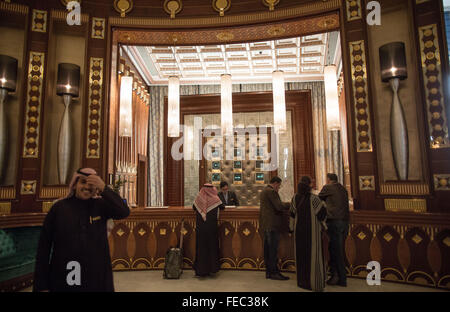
(270,3)
(221,6)
(173,7)
(123,6)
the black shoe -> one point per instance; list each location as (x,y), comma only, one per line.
(333,281)
(267,275)
(343,284)
(278,276)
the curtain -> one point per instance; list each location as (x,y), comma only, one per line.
(322,149)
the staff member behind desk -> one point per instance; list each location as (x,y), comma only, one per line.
(270,221)
(227,197)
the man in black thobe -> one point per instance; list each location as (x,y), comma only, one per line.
(73,252)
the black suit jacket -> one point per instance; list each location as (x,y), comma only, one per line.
(232,199)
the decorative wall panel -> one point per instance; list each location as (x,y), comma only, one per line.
(8,192)
(442,182)
(360,96)
(33,104)
(95,107)
(353,10)
(98,28)
(433,84)
(367,183)
(411,205)
(5,208)
(39,21)
(28,187)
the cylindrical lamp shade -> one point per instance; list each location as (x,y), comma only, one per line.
(331,98)
(393,61)
(68,79)
(126,100)
(8,73)
(173,108)
(279,101)
(226,104)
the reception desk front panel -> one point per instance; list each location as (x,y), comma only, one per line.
(411,248)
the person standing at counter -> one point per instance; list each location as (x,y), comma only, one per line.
(308,213)
(207,205)
(73,251)
(270,221)
(228,197)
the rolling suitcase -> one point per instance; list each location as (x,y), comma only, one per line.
(173,265)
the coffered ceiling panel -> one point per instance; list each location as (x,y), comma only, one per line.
(301,58)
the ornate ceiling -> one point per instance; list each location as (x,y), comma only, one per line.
(301,59)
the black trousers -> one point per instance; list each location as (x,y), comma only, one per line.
(271,242)
(337,233)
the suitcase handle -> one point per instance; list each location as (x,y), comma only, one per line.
(181,233)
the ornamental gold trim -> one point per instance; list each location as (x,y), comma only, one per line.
(28,187)
(360,96)
(404,189)
(353,10)
(123,7)
(95,107)
(39,21)
(14,8)
(53,191)
(173,7)
(367,183)
(46,206)
(98,28)
(33,106)
(432,81)
(7,192)
(406,205)
(441,182)
(297,27)
(62,16)
(294,12)
(5,208)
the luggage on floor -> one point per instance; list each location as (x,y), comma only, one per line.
(173,264)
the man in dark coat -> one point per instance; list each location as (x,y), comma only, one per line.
(73,252)
(336,198)
(270,222)
(227,197)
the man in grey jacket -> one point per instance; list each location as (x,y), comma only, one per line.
(270,221)
(336,198)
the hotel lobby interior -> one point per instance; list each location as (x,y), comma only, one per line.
(161,97)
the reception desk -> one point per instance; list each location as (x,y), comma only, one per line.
(411,248)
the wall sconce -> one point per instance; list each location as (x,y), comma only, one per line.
(126,106)
(332,99)
(226,104)
(279,101)
(8,79)
(393,69)
(173,107)
(67,86)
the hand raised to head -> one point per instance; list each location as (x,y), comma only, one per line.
(96,181)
